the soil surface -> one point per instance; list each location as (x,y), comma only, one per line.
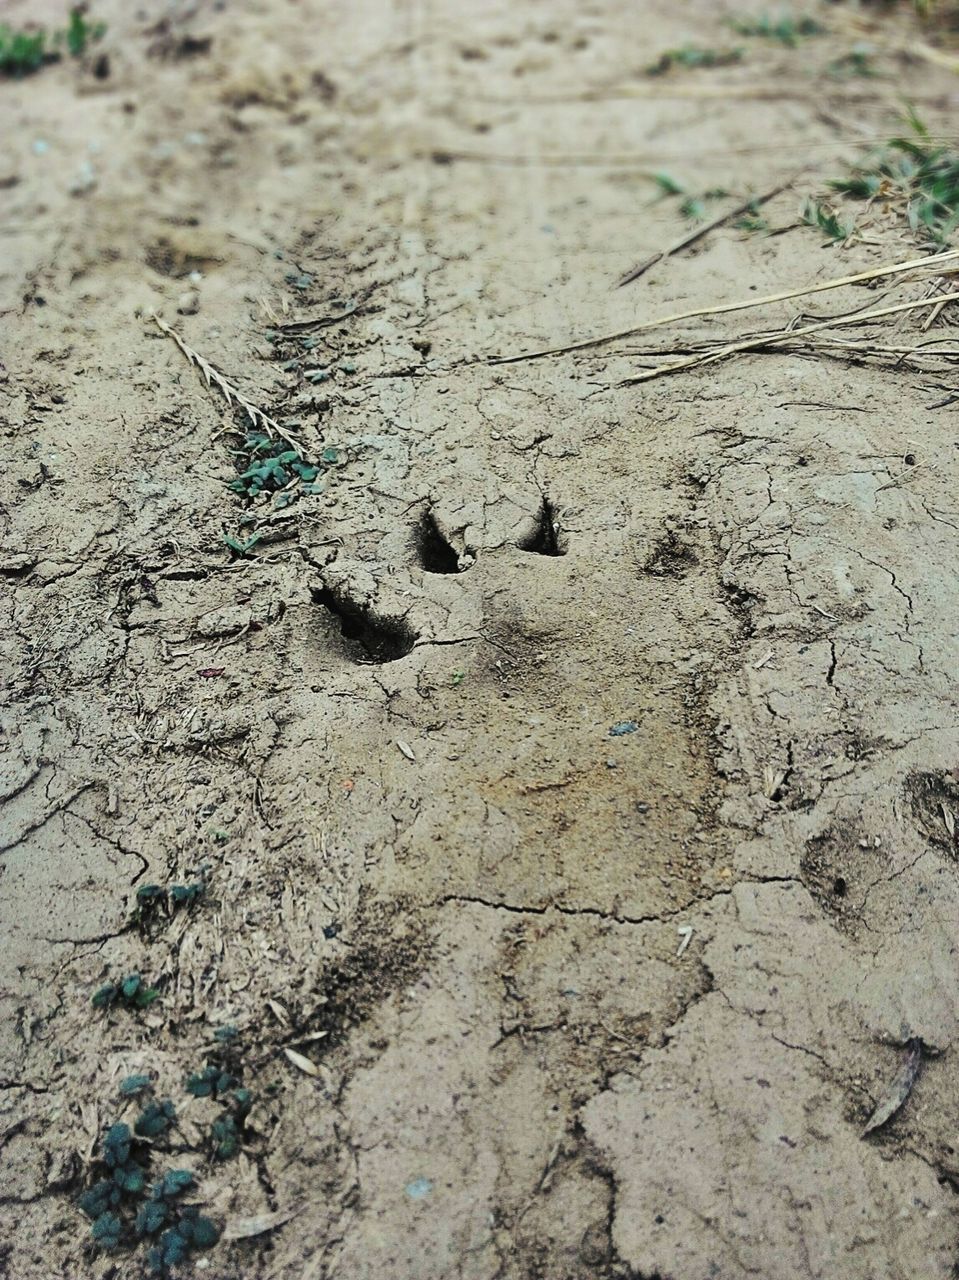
(571,766)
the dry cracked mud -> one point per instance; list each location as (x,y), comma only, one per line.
(573,774)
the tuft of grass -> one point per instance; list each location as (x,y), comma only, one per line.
(691,206)
(788,30)
(668,185)
(23,52)
(80,33)
(691,56)
(752,220)
(815,214)
(857,62)
(912,176)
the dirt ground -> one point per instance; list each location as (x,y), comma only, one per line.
(572,774)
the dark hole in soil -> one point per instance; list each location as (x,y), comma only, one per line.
(368,639)
(839,887)
(435,553)
(545,540)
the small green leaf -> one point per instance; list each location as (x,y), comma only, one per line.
(173,1183)
(130,986)
(116,1145)
(130,1178)
(204,1233)
(149,892)
(107,1230)
(130,1086)
(100,1197)
(155,1119)
(173,1247)
(105,996)
(186,893)
(243,1099)
(226,1138)
(150,1217)
(668,184)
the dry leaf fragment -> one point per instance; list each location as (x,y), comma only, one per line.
(899,1090)
(949,819)
(773,779)
(405,748)
(279,1012)
(311,1038)
(303,1063)
(685,932)
(244,1228)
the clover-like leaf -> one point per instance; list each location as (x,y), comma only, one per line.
(183,894)
(151,1217)
(129,1178)
(226,1138)
(116,1145)
(173,1183)
(155,1119)
(199,1232)
(107,1230)
(98,1199)
(150,892)
(130,1086)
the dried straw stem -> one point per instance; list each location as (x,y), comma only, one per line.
(875,273)
(786,336)
(214,378)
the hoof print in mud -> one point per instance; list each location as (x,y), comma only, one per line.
(546,537)
(366,638)
(934,801)
(434,552)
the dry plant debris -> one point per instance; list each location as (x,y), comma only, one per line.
(213,378)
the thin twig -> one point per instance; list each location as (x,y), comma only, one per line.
(754,202)
(874,274)
(901,478)
(214,378)
(787,335)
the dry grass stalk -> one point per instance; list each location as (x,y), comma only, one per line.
(874,273)
(691,237)
(214,378)
(786,336)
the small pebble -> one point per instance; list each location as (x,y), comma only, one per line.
(189,303)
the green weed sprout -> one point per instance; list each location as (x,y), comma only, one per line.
(130,991)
